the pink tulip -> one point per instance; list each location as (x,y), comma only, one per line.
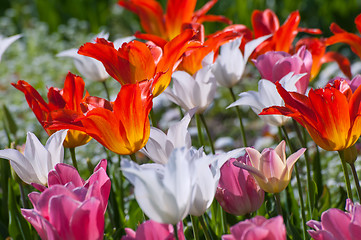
(274,65)
(336,224)
(98,181)
(237,191)
(70,208)
(258,228)
(270,168)
(152,230)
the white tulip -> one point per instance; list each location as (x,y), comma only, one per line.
(34,165)
(207,176)
(160,145)
(230,64)
(164,192)
(195,91)
(268,96)
(186,184)
(6,42)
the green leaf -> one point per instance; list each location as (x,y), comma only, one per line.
(18,226)
(9,121)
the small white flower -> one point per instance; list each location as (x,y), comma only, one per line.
(230,64)
(6,42)
(193,91)
(88,67)
(160,145)
(34,165)
(268,96)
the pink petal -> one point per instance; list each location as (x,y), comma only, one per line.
(63,174)
(87,221)
(265,63)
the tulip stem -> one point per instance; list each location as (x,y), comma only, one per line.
(200,133)
(22,195)
(133,157)
(357,182)
(175,231)
(152,118)
(106,90)
(195,227)
(205,229)
(243,133)
(308,175)
(208,133)
(278,203)
(73,158)
(345,173)
(299,186)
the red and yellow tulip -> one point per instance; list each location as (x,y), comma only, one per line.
(331,115)
(68,98)
(122,127)
(136,61)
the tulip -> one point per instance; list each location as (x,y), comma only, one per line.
(268,96)
(273,66)
(151,230)
(331,115)
(270,168)
(160,145)
(122,127)
(195,91)
(336,224)
(186,184)
(341,35)
(67,99)
(89,67)
(258,228)
(167,25)
(70,208)
(34,164)
(6,42)
(139,62)
(266,22)
(237,191)
(230,64)
(157,187)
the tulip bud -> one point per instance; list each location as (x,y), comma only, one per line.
(237,191)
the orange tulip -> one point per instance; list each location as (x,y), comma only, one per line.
(266,22)
(122,127)
(68,98)
(331,115)
(168,25)
(136,61)
(340,35)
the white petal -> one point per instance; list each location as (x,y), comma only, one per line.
(252,45)
(6,42)
(22,166)
(54,145)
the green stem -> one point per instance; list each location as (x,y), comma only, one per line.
(73,158)
(175,231)
(106,90)
(205,229)
(357,182)
(22,196)
(303,142)
(278,203)
(152,118)
(121,183)
(239,117)
(299,186)
(208,133)
(195,227)
(345,173)
(133,157)
(200,133)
